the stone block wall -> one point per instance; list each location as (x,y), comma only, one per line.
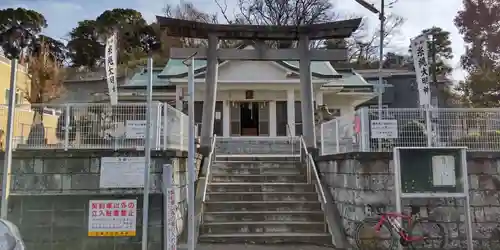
(50,196)
(356,179)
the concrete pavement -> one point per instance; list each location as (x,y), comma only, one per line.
(260,247)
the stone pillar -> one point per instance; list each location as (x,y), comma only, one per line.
(272,118)
(306,94)
(207,121)
(290,111)
(226,120)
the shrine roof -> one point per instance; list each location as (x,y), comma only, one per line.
(330,30)
(176,69)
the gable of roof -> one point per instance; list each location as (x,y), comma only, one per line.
(175,68)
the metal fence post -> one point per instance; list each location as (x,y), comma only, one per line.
(428,125)
(66,126)
(165,121)
(337,139)
(158,126)
(322,138)
(364,116)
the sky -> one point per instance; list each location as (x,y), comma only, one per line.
(63,15)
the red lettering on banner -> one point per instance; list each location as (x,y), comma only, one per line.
(109,205)
(94,206)
(124,204)
(131,205)
(116,205)
(108,213)
(102,213)
(102,206)
(116,213)
(124,212)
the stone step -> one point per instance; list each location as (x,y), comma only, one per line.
(262,158)
(263,227)
(221,216)
(256,171)
(291,178)
(256,164)
(262,196)
(213,206)
(259,187)
(268,238)
(257,147)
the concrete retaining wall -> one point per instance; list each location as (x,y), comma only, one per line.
(50,193)
(355,178)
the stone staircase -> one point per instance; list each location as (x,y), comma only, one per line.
(262,200)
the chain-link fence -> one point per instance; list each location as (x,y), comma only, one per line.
(97,126)
(476,129)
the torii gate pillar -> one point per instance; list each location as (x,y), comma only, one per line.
(306,94)
(211,76)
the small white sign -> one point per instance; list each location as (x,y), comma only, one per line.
(136,129)
(122,172)
(111,218)
(384,129)
(443,170)
(218,115)
(171,220)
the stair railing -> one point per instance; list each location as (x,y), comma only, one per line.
(311,168)
(332,214)
(292,141)
(202,189)
(211,157)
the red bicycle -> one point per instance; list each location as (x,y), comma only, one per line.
(385,231)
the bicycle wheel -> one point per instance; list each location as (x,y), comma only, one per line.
(428,233)
(367,238)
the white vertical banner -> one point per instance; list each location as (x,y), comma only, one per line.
(111,63)
(420,51)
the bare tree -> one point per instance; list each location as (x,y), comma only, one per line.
(46,84)
(364,44)
(187,11)
(280,12)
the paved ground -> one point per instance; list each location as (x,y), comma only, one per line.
(259,247)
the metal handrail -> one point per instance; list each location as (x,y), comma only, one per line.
(332,215)
(200,202)
(209,166)
(291,137)
(312,168)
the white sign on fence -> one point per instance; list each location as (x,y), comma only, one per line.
(122,172)
(171,220)
(136,129)
(384,129)
(109,218)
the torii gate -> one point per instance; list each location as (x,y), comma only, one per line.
(259,33)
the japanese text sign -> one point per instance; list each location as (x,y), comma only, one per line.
(112,218)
